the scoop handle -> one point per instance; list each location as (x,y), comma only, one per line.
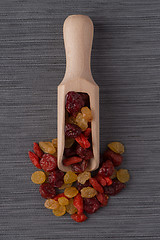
(78,37)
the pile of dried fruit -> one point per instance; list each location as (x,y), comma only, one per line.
(83,192)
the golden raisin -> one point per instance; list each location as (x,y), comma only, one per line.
(70,207)
(116,147)
(51,204)
(81,122)
(83,177)
(87,114)
(60,211)
(69,142)
(63,201)
(88,192)
(70,192)
(38,177)
(54,142)
(123,175)
(114,174)
(47,147)
(70,177)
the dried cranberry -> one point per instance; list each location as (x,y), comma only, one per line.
(85,98)
(84,165)
(70,152)
(72,130)
(76,168)
(74,102)
(107,169)
(115,188)
(56,178)
(47,190)
(114,157)
(91,205)
(48,162)
(80,186)
(84,153)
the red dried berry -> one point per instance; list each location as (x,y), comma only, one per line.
(71,160)
(85,98)
(84,165)
(87,132)
(83,141)
(79,217)
(69,152)
(107,169)
(96,185)
(115,188)
(76,168)
(59,195)
(91,205)
(114,157)
(101,180)
(37,150)
(48,162)
(78,203)
(103,199)
(108,181)
(34,159)
(47,190)
(72,130)
(81,186)
(84,153)
(74,102)
(56,178)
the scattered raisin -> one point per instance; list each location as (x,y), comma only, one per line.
(91,205)
(88,192)
(38,177)
(70,177)
(123,175)
(56,178)
(107,169)
(116,147)
(114,157)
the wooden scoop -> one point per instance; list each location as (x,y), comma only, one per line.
(78,36)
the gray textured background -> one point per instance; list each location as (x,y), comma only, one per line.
(126,65)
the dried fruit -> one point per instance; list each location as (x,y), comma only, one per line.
(37,150)
(78,203)
(60,211)
(91,205)
(83,177)
(72,130)
(56,178)
(63,201)
(88,192)
(74,102)
(47,147)
(87,114)
(87,132)
(70,208)
(71,120)
(69,152)
(103,199)
(108,181)
(71,160)
(76,168)
(107,169)
(84,165)
(85,98)
(96,185)
(79,217)
(47,190)
(114,174)
(116,147)
(123,175)
(58,196)
(101,180)
(115,188)
(34,159)
(83,141)
(81,122)
(70,177)
(84,153)
(70,192)
(54,142)
(80,186)
(48,162)
(65,185)
(51,204)
(69,142)
(38,177)
(114,157)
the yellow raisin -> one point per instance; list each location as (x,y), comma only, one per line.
(88,192)
(87,114)
(114,174)
(63,201)
(70,207)
(38,177)
(123,175)
(81,122)
(47,147)
(51,204)
(70,192)
(70,177)
(60,211)
(54,142)
(116,147)
(69,142)
(83,177)
(65,185)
